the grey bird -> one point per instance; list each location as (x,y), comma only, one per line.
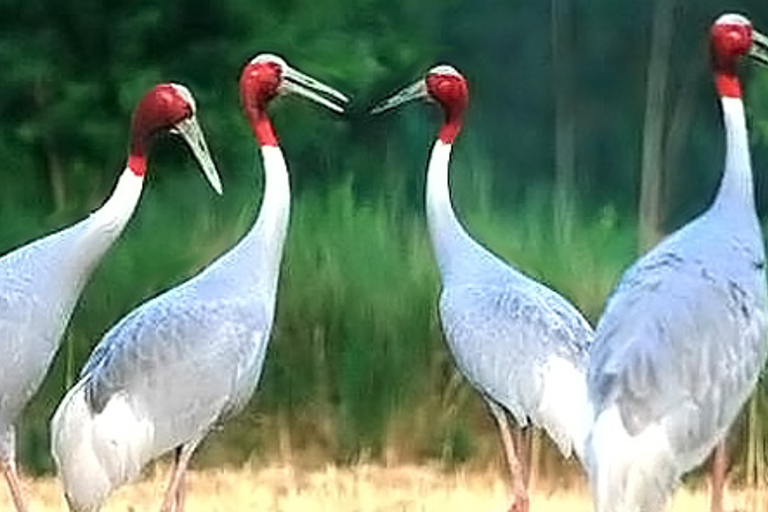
(187,360)
(521,345)
(40,282)
(682,340)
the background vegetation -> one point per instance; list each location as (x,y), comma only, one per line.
(593,129)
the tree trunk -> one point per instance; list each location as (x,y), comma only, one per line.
(651,172)
(680,122)
(51,154)
(565,122)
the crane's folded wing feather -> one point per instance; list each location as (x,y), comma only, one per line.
(676,339)
(504,337)
(181,360)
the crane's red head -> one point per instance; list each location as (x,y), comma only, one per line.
(731,37)
(260,84)
(162,108)
(168,107)
(443,85)
(264,78)
(260,81)
(449,88)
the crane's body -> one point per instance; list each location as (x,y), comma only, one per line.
(682,340)
(41,282)
(186,360)
(180,363)
(521,345)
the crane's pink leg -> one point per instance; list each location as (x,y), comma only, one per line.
(174,493)
(520,504)
(182,488)
(523,440)
(181,493)
(718,472)
(12,477)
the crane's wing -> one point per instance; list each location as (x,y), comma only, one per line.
(36,300)
(506,338)
(184,361)
(679,342)
(23,362)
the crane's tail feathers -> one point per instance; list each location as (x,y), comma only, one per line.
(565,411)
(629,473)
(96,453)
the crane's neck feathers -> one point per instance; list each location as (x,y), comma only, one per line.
(452,246)
(451,127)
(272,222)
(736,188)
(137,163)
(121,204)
(727,83)
(98,232)
(726,78)
(262,125)
(257,256)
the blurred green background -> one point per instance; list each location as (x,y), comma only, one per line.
(593,128)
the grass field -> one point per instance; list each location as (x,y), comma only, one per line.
(361,488)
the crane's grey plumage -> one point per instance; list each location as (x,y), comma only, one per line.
(177,365)
(521,345)
(188,359)
(681,343)
(505,330)
(41,281)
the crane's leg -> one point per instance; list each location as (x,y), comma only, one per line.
(182,488)
(523,440)
(718,473)
(174,493)
(8,465)
(520,504)
(12,477)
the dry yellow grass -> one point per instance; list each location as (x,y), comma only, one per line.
(362,488)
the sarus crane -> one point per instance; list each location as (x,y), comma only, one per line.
(40,282)
(521,345)
(185,361)
(682,340)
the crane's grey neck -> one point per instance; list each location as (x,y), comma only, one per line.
(736,188)
(454,249)
(121,204)
(106,223)
(96,234)
(264,242)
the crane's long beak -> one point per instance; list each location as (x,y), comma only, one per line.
(414,91)
(190,131)
(759,50)
(297,82)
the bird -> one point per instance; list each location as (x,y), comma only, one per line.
(183,362)
(682,340)
(40,282)
(520,344)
